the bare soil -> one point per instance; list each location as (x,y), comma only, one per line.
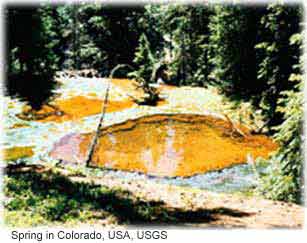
(180,206)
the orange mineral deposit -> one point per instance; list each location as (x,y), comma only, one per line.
(75,108)
(167,145)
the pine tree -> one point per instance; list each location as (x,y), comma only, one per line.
(33,57)
(233,35)
(114,31)
(184,31)
(144,60)
(284,181)
(144,75)
(199,42)
(276,56)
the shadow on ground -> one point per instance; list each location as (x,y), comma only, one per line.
(57,198)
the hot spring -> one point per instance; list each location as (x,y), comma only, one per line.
(166,145)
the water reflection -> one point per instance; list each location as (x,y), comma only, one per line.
(174,145)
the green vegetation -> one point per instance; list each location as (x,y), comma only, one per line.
(145,74)
(233,35)
(284,180)
(36,198)
(42,198)
(277,57)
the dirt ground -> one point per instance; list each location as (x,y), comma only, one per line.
(180,206)
(208,209)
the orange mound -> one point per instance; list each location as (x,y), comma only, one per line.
(17,152)
(129,86)
(76,108)
(177,145)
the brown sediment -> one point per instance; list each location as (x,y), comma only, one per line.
(173,145)
(74,108)
(162,102)
(19,125)
(17,152)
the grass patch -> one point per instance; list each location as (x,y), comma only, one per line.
(36,198)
